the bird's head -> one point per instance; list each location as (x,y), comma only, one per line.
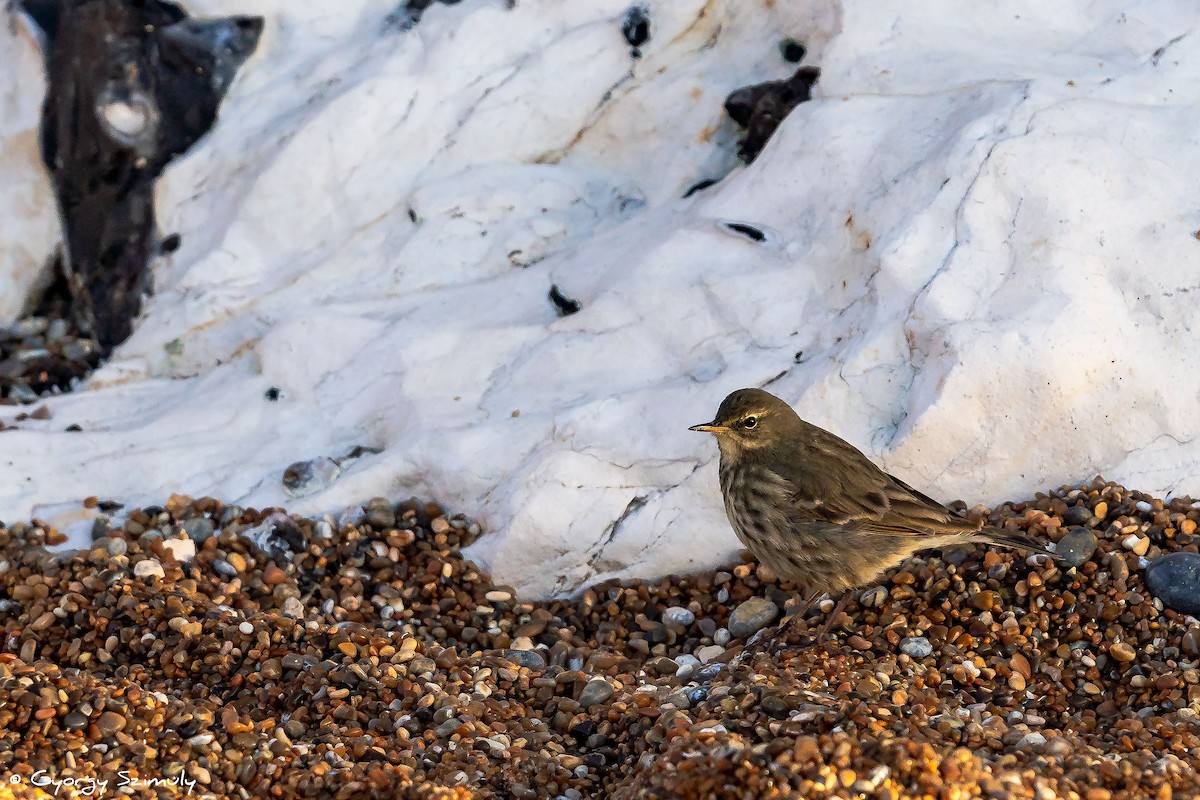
(750,420)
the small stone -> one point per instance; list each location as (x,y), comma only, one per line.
(224,568)
(292,607)
(181,549)
(707,654)
(1175,580)
(1123,652)
(246,628)
(596,691)
(238,562)
(1100,510)
(526,658)
(498,596)
(1077,515)
(273,575)
(74,721)
(148,568)
(109,723)
(198,529)
(916,647)
(1076,547)
(380,513)
(874,597)
(984,601)
(751,616)
(677,615)
(775,706)
(447,728)
(1191,642)
(117,546)
(1032,739)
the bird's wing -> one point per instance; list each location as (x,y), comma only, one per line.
(834,482)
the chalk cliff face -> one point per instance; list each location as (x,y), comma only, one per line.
(463,241)
(29,226)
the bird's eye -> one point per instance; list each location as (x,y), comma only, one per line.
(749,422)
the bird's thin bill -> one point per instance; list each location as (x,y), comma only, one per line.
(708,427)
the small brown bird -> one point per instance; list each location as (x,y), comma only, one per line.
(815,510)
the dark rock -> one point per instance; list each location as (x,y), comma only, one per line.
(380,513)
(761,107)
(1076,547)
(130,87)
(635,27)
(1077,515)
(563,305)
(1175,580)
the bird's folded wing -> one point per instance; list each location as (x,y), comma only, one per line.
(849,489)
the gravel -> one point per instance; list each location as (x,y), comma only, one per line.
(296,657)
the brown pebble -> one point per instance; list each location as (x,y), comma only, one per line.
(110,722)
(273,575)
(1122,652)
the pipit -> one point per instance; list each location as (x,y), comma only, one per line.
(816,511)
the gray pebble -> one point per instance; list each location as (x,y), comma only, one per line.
(596,691)
(1033,739)
(775,706)
(1076,547)
(447,728)
(380,513)
(224,568)
(230,513)
(198,529)
(751,617)
(117,547)
(1175,580)
(677,615)
(526,658)
(916,647)
(74,721)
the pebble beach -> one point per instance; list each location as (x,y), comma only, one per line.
(204,650)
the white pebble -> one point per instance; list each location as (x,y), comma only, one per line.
(147,568)
(246,628)
(707,654)
(182,549)
(497,596)
(1142,505)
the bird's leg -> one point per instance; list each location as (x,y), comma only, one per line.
(833,615)
(796,618)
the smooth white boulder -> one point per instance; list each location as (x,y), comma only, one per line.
(29,227)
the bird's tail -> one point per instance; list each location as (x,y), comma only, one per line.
(1016,539)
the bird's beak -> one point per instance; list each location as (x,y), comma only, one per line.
(709,427)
